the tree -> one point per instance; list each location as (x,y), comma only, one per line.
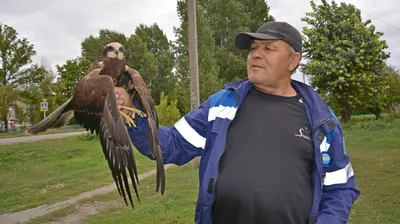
(36,87)
(388,96)
(69,75)
(20,114)
(15,53)
(168,112)
(158,44)
(227,18)
(208,68)
(141,59)
(393,80)
(32,97)
(8,96)
(344,54)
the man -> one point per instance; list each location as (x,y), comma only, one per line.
(271,150)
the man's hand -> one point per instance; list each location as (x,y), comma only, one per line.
(123,99)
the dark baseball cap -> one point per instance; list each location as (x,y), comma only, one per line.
(272,30)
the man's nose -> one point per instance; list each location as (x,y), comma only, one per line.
(256,53)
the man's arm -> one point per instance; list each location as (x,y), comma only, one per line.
(339,188)
(180,143)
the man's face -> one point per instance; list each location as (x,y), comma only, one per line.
(270,61)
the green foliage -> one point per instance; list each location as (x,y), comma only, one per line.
(32,97)
(20,114)
(8,96)
(343,54)
(15,53)
(387,96)
(168,112)
(393,92)
(368,123)
(157,43)
(141,59)
(69,75)
(87,136)
(226,19)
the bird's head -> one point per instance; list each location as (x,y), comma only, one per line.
(114,50)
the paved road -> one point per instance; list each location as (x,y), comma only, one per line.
(8,141)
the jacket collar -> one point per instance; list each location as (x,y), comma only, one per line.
(317,107)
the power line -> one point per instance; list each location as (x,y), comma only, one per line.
(369,15)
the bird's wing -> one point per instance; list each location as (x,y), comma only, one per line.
(144,97)
(63,114)
(95,108)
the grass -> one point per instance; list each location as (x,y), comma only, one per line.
(375,154)
(176,206)
(48,171)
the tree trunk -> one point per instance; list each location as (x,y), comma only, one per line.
(376,112)
(345,111)
(5,124)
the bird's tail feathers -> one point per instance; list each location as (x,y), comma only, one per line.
(59,118)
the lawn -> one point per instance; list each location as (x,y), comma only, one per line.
(48,171)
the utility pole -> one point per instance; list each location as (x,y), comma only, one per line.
(193,58)
(193,62)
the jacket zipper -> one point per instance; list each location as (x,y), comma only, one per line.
(219,164)
(318,164)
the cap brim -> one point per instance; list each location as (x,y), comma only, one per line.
(243,40)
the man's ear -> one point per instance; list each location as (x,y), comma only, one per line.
(294,60)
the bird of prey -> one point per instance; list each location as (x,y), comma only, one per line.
(94,107)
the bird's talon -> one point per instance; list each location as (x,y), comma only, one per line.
(128,120)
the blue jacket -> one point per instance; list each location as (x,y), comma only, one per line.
(202,132)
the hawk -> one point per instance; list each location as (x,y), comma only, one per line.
(94,107)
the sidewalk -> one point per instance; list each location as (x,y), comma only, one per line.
(8,141)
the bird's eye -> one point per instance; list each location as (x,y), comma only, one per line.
(121,49)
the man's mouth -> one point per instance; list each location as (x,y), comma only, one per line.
(256,66)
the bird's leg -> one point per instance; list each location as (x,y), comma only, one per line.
(128,120)
(135,111)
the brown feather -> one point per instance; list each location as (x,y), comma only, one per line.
(143,95)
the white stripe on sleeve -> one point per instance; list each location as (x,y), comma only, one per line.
(339,176)
(190,134)
(221,112)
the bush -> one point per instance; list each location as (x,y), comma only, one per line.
(87,136)
(168,113)
(369,123)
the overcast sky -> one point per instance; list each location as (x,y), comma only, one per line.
(56,28)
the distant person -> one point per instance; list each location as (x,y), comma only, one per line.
(271,149)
